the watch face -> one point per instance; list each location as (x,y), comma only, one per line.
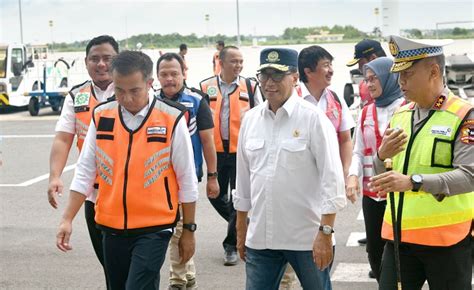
(327,230)
(417,178)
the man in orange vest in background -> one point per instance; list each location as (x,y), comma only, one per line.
(140,150)
(230,95)
(75,118)
(365,51)
(216,66)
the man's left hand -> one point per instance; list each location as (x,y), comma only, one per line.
(212,187)
(187,245)
(390,182)
(322,251)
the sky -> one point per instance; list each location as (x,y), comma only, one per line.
(83,19)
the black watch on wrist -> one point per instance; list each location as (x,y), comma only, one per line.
(190,227)
(326,229)
(417,181)
(212,174)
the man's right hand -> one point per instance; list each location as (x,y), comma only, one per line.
(63,236)
(352,188)
(393,142)
(241,236)
(55,189)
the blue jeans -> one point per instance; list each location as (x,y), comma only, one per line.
(265,268)
(134,262)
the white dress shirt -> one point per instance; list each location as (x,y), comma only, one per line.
(225,90)
(183,161)
(67,120)
(288,174)
(347,122)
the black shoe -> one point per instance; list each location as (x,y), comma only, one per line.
(230,258)
(362,241)
(371,275)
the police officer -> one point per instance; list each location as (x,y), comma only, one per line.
(230,95)
(170,69)
(432,145)
(75,118)
(140,149)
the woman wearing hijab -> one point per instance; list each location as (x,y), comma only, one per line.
(374,119)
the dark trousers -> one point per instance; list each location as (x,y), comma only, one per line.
(94,234)
(226,166)
(134,262)
(445,268)
(373,218)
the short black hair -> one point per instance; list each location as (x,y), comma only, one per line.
(309,58)
(169,56)
(101,40)
(220,43)
(183,46)
(224,51)
(128,62)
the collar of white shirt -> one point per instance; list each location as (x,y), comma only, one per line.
(103,95)
(288,106)
(222,82)
(307,95)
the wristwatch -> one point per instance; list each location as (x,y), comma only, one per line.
(212,174)
(190,227)
(326,229)
(417,181)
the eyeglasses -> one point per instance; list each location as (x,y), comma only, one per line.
(371,79)
(275,76)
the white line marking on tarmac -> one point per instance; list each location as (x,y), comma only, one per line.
(352,272)
(360,216)
(37,179)
(25,136)
(353,238)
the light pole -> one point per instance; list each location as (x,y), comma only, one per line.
(238,24)
(52,40)
(21,21)
(206,17)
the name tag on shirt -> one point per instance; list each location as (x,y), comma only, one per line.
(441,130)
(244,95)
(188,104)
(158,130)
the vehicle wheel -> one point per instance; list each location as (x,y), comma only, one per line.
(349,94)
(34,106)
(58,107)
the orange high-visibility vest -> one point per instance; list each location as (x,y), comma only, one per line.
(240,100)
(84,101)
(138,190)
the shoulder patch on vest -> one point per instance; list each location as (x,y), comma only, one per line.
(467,132)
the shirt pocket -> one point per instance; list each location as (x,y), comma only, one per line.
(254,148)
(294,154)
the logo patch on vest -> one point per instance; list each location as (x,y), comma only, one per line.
(212,91)
(82,99)
(467,132)
(158,130)
(441,130)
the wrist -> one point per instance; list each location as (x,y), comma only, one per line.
(212,175)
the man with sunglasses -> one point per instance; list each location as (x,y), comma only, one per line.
(230,96)
(290,176)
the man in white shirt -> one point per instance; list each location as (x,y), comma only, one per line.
(74,120)
(140,149)
(290,176)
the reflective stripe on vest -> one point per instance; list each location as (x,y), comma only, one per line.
(138,189)
(239,103)
(83,111)
(372,140)
(424,220)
